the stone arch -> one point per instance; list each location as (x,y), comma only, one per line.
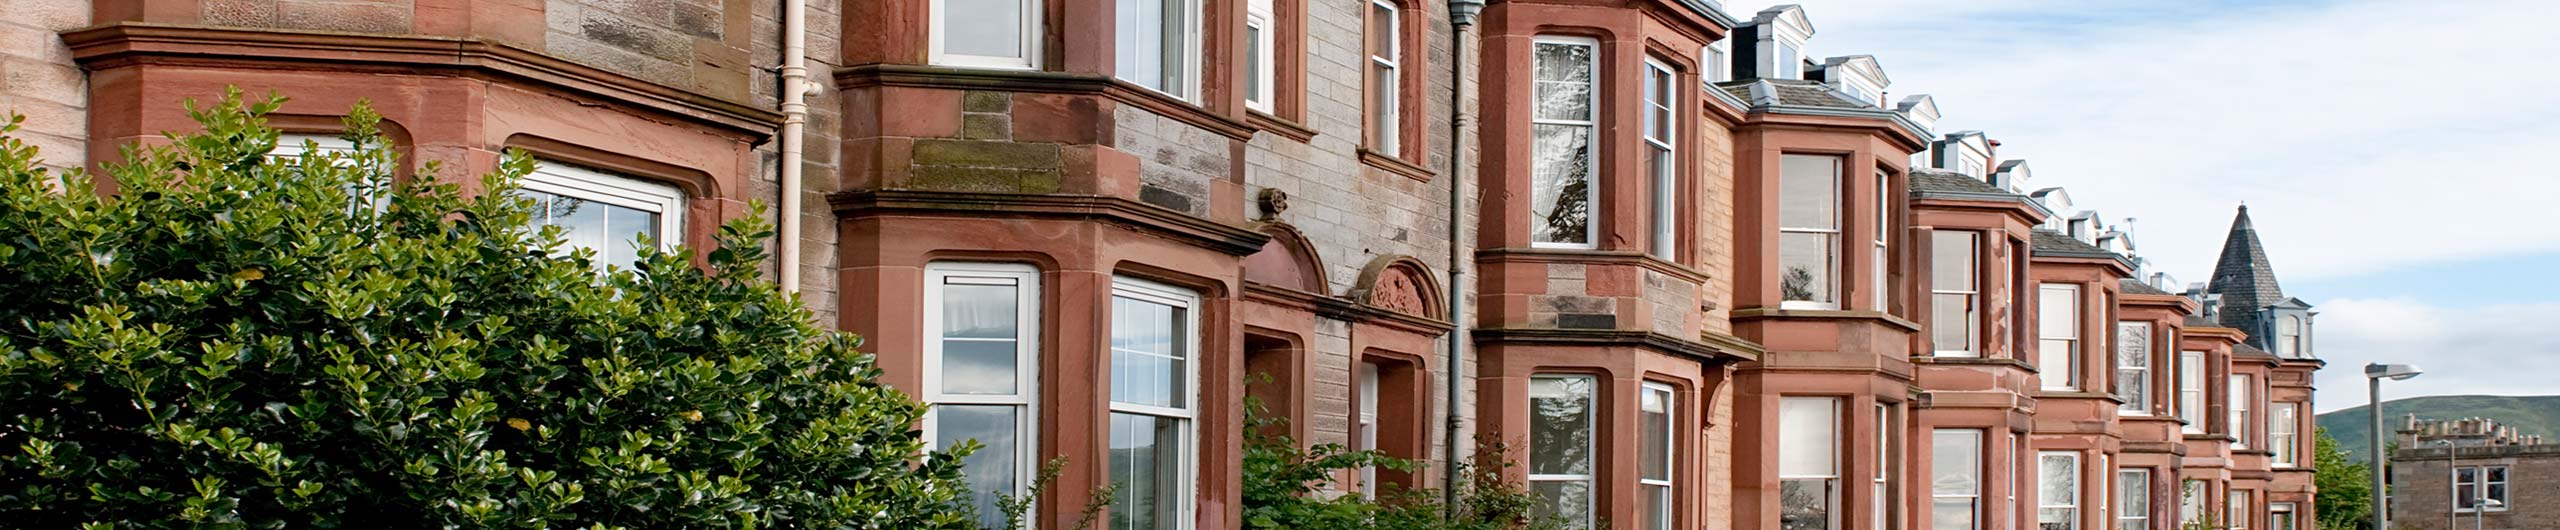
(1401,284)
(1287,261)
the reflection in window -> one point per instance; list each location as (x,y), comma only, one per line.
(2283,432)
(2133,367)
(1808,463)
(2058,491)
(1386,64)
(1560,447)
(2191,390)
(1564,199)
(2240,395)
(1661,160)
(1259,55)
(2133,499)
(1809,230)
(1955,479)
(1656,410)
(600,211)
(980,370)
(1152,352)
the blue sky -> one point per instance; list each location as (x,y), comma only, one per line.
(2395,155)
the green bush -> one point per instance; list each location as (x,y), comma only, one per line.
(1287,486)
(230,341)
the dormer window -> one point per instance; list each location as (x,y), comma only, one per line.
(1789,67)
(1719,63)
(1965,152)
(1857,76)
(2289,336)
(1778,38)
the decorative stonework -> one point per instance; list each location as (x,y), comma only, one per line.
(1287,261)
(1399,284)
(1272,202)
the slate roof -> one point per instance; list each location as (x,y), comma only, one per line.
(2195,321)
(2243,277)
(2133,286)
(2048,242)
(1942,181)
(2245,349)
(1793,92)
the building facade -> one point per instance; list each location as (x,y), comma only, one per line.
(1690,274)
(2471,472)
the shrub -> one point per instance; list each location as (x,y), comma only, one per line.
(231,341)
(1287,487)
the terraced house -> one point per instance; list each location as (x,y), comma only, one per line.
(1695,275)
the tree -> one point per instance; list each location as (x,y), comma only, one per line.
(2345,500)
(235,341)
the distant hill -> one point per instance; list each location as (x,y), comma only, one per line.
(2528,414)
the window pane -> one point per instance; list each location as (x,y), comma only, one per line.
(2134,505)
(1382,108)
(1808,445)
(1809,192)
(1560,425)
(1562,185)
(1382,31)
(1655,459)
(1146,463)
(1951,323)
(1147,364)
(1956,465)
(1952,514)
(1657,507)
(613,232)
(990,28)
(1564,81)
(1952,261)
(2133,365)
(1153,44)
(1567,499)
(1256,59)
(1804,504)
(2058,313)
(1805,259)
(993,471)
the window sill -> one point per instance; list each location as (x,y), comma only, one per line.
(1824,314)
(1392,164)
(1281,127)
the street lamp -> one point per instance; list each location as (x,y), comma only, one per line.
(2480,511)
(2374,374)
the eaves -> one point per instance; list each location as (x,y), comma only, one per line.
(1906,124)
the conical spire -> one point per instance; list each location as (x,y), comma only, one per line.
(2243,277)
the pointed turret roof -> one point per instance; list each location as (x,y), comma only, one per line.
(2243,277)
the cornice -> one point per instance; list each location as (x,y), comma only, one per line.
(1230,239)
(1703,351)
(131,43)
(1771,313)
(1339,308)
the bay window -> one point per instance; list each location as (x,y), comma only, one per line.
(2239,419)
(604,212)
(987,33)
(1154,371)
(1261,50)
(2133,499)
(1564,194)
(2280,516)
(1657,412)
(1809,231)
(2133,367)
(2058,335)
(1662,161)
(2191,503)
(1158,45)
(2284,432)
(1385,78)
(2235,514)
(1955,481)
(2191,390)
(1808,462)
(982,323)
(2058,493)
(1561,449)
(1955,292)
(1879,269)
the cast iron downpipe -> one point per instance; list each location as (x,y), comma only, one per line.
(1462,22)
(795,119)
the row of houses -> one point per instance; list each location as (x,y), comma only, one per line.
(1692,274)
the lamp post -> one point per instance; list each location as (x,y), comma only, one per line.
(2374,374)
(2480,510)
(2451,491)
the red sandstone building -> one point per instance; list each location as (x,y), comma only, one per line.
(1695,276)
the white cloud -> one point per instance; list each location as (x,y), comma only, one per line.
(2365,136)
(2499,349)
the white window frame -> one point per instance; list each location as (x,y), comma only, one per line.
(2289,336)
(2191,495)
(2134,404)
(2070,507)
(1365,424)
(1026,280)
(581,183)
(2046,314)
(1590,152)
(1185,417)
(1031,36)
(1187,67)
(1973,499)
(1389,120)
(1262,56)
(2477,478)
(1972,296)
(1661,138)
(2133,483)
(292,146)
(1668,513)
(2282,511)
(2240,393)
(1792,438)
(2284,433)
(1590,477)
(2191,398)
(1836,232)
(2235,510)
(1719,56)
(1881,268)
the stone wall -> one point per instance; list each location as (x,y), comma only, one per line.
(2533,488)
(39,81)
